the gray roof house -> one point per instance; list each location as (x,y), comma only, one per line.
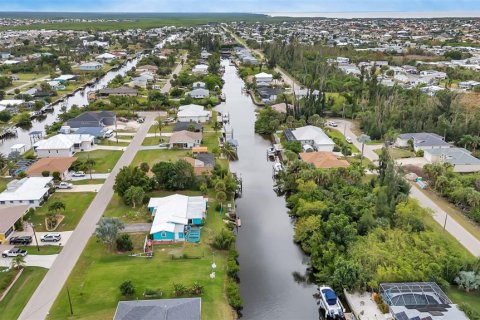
(164,309)
(93,119)
(461,159)
(183,125)
(422,140)
(121,91)
(199,93)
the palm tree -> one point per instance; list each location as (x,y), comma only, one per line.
(56,206)
(466,140)
(229,151)
(363,138)
(90,163)
(475,143)
(18,262)
(221,197)
(3,160)
(216,126)
(160,126)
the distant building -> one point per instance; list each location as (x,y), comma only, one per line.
(30,191)
(460,159)
(193,113)
(91,66)
(199,93)
(93,119)
(422,140)
(63,145)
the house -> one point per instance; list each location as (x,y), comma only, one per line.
(203,163)
(91,66)
(199,93)
(310,137)
(198,85)
(263,79)
(185,139)
(147,68)
(268,94)
(193,113)
(204,54)
(303,93)
(200,69)
(165,309)
(105,57)
(175,215)
(97,132)
(31,191)
(460,158)
(11,103)
(9,215)
(323,160)
(93,119)
(468,85)
(419,300)
(63,145)
(51,165)
(66,78)
(422,140)
(120,91)
(180,126)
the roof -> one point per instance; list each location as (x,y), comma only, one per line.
(183,125)
(51,164)
(454,156)
(33,188)
(312,133)
(199,166)
(164,309)
(62,141)
(207,158)
(91,116)
(199,91)
(119,90)
(263,75)
(94,131)
(147,67)
(185,136)
(323,159)
(9,215)
(192,110)
(176,209)
(424,139)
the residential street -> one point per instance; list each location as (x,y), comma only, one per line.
(27,83)
(471,243)
(46,293)
(166,88)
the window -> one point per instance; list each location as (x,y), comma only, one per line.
(2,202)
(32,201)
(163,234)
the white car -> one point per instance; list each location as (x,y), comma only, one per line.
(64,185)
(14,252)
(163,146)
(51,237)
(78,174)
(349,140)
(169,120)
(333,124)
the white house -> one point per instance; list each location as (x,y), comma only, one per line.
(185,139)
(32,191)
(311,136)
(204,54)
(193,113)
(198,85)
(263,79)
(461,159)
(11,103)
(105,57)
(422,141)
(200,69)
(63,145)
(91,66)
(175,215)
(199,93)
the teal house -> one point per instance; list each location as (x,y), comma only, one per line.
(177,218)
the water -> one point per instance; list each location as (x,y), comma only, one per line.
(79,98)
(379,14)
(269,260)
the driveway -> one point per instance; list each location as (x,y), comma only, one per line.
(83,188)
(419,162)
(471,243)
(32,260)
(137,227)
(29,232)
(41,301)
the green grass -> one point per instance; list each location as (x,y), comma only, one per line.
(76,203)
(94,282)
(106,142)
(3,183)
(397,153)
(335,134)
(153,141)
(22,290)
(87,181)
(30,76)
(153,156)
(210,140)
(166,128)
(116,208)
(44,250)
(105,160)
(459,296)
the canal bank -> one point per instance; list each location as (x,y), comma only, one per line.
(271,265)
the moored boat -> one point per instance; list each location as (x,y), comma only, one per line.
(330,303)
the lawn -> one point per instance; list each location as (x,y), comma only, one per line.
(153,156)
(166,128)
(3,183)
(21,292)
(335,134)
(210,140)
(87,181)
(105,160)
(44,250)
(106,142)
(153,141)
(116,208)
(76,203)
(95,279)
(30,76)
(460,296)
(398,153)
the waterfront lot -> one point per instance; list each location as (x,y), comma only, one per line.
(153,156)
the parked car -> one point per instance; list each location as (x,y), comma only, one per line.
(78,174)
(64,185)
(24,240)
(163,146)
(51,237)
(108,134)
(140,120)
(332,124)
(349,140)
(169,120)
(14,252)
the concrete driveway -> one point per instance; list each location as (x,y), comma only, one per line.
(83,188)
(29,232)
(419,162)
(32,260)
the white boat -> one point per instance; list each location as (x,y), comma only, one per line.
(271,152)
(277,167)
(331,304)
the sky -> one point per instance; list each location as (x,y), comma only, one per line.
(250,6)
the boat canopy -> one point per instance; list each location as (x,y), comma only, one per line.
(330,296)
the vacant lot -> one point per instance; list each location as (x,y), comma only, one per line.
(105,160)
(153,156)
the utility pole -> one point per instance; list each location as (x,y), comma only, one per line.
(35,235)
(445,223)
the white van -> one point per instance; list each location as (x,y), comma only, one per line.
(108,134)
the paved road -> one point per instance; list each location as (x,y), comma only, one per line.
(471,243)
(166,88)
(43,298)
(33,260)
(27,83)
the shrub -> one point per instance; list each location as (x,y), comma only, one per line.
(420,153)
(197,289)
(127,288)
(233,295)
(223,240)
(152,293)
(45,173)
(232,268)
(124,243)
(179,289)
(56,176)
(144,167)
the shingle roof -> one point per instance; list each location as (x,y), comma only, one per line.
(9,215)
(425,139)
(185,136)
(50,164)
(164,309)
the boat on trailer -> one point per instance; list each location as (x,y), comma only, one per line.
(330,303)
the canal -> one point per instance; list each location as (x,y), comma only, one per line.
(270,262)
